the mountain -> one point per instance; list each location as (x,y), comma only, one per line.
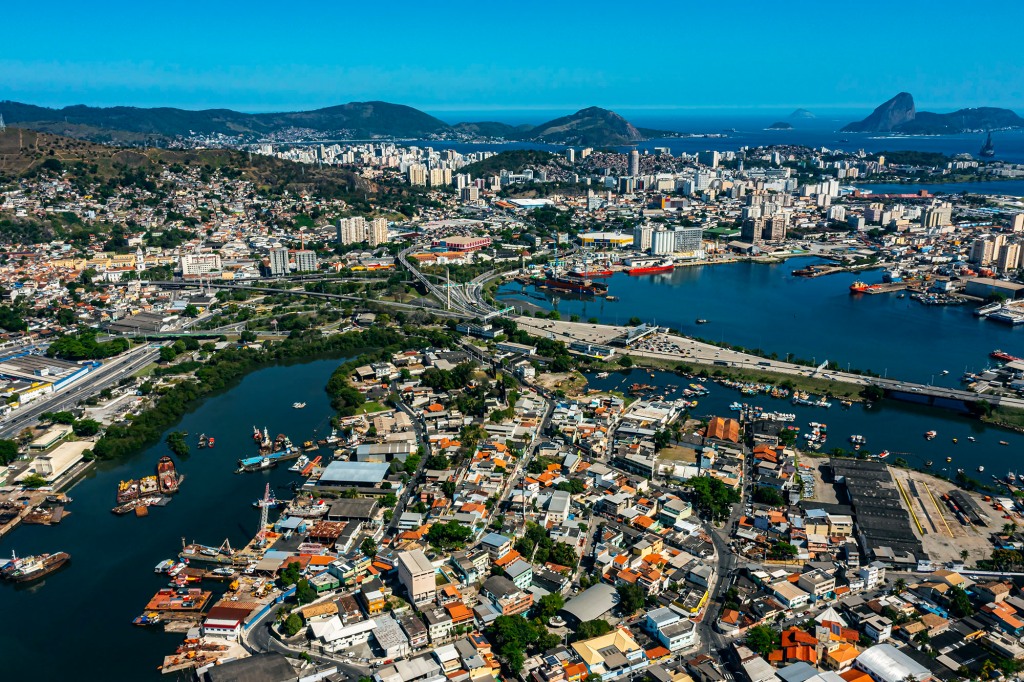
(898,115)
(888,116)
(355,119)
(592,126)
(802,113)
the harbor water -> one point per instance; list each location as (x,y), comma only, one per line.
(110,577)
(890,425)
(757,305)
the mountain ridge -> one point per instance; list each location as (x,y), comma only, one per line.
(900,115)
(355,120)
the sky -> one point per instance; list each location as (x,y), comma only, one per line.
(446,57)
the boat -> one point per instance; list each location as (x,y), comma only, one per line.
(583,272)
(948,460)
(127,491)
(601,375)
(858,287)
(981,468)
(255,464)
(177,568)
(209,442)
(930,434)
(701,320)
(1000,355)
(224,571)
(148,485)
(611,298)
(664,266)
(164,566)
(269,504)
(578,285)
(883,454)
(300,463)
(298,406)
(309,446)
(928,463)
(955,441)
(1003,442)
(147,619)
(971,438)
(257,435)
(167,475)
(30,569)
(203,441)
(988,150)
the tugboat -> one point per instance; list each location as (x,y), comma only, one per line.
(167,476)
(988,150)
(858,287)
(209,442)
(32,568)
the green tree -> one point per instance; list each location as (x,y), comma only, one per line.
(86,427)
(33,481)
(959,603)
(191,311)
(8,451)
(292,625)
(631,598)
(167,353)
(449,535)
(548,606)
(592,628)
(176,442)
(368,547)
(768,496)
(899,585)
(625,361)
(290,574)
(304,592)
(763,639)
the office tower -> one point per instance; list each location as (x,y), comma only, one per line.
(470,194)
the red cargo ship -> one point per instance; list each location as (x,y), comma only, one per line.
(651,269)
(1000,355)
(591,273)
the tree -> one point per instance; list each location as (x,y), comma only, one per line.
(369,547)
(548,606)
(177,444)
(291,574)
(712,497)
(899,585)
(783,550)
(86,427)
(304,592)
(625,361)
(872,393)
(959,603)
(8,451)
(292,625)
(768,496)
(33,481)
(191,311)
(964,554)
(449,535)
(592,628)
(631,598)
(763,639)
(167,353)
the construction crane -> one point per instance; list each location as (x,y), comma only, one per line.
(261,537)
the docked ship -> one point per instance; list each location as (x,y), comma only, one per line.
(1000,355)
(148,485)
(127,491)
(585,271)
(167,475)
(858,287)
(196,553)
(32,568)
(988,150)
(578,285)
(664,266)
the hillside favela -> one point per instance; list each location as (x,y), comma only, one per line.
(364,365)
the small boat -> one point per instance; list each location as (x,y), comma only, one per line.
(601,375)
(930,434)
(981,468)
(883,454)
(203,441)
(955,441)
(971,438)
(164,565)
(928,463)
(224,571)
(298,406)
(948,460)
(701,320)
(945,372)
(1003,442)
(147,619)
(209,442)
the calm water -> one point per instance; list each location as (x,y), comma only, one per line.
(765,306)
(745,130)
(1009,187)
(111,575)
(897,427)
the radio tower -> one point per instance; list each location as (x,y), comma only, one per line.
(261,537)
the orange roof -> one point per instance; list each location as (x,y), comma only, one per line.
(643,521)
(508,558)
(459,612)
(721,428)
(435,407)
(321,560)
(854,675)
(796,636)
(844,653)
(656,653)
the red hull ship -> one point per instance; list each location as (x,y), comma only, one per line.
(167,476)
(1005,357)
(650,270)
(591,273)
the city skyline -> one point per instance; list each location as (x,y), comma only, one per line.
(561,59)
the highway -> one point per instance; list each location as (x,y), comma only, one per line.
(110,373)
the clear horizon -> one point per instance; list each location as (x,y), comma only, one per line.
(557,58)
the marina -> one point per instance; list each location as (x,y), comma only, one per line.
(214,504)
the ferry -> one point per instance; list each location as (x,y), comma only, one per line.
(167,475)
(664,266)
(32,568)
(298,406)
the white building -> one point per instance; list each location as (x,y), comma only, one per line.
(199,263)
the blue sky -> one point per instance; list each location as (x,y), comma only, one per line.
(446,57)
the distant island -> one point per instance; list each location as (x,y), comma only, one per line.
(899,115)
(592,126)
(802,113)
(780,125)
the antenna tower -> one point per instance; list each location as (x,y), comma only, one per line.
(264,506)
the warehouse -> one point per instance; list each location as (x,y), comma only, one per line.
(355,474)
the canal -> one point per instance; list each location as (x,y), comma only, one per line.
(890,425)
(757,305)
(78,621)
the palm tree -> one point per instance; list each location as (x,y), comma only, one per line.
(1009,528)
(899,586)
(963,555)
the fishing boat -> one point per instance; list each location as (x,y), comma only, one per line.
(209,442)
(298,406)
(167,475)
(32,568)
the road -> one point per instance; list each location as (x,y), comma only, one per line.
(420,427)
(110,373)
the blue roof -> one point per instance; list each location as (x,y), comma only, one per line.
(494,539)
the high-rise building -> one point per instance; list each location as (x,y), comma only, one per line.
(278,261)
(352,230)
(378,232)
(634,163)
(753,230)
(570,155)
(1017,222)
(642,237)
(193,264)
(689,239)
(983,251)
(305,261)
(470,194)
(437,177)
(417,174)
(709,158)
(1009,257)
(776,227)
(416,574)
(937,215)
